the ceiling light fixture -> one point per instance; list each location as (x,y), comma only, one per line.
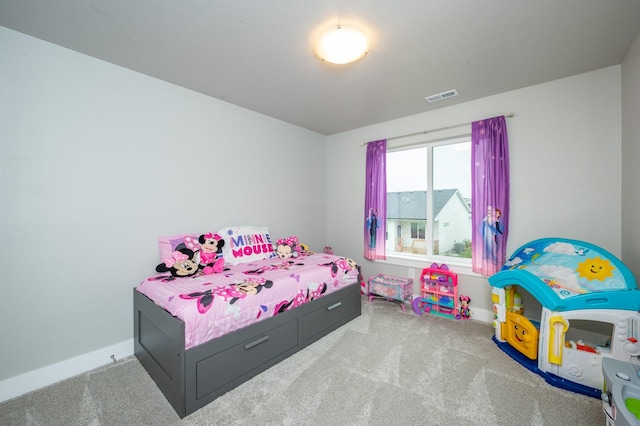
(342,45)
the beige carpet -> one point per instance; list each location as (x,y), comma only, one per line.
(384,368)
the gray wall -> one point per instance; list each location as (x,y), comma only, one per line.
(565,153)
(630,157)
(96,162)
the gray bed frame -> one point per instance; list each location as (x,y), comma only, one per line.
(194,377)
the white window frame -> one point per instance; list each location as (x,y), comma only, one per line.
(419,261)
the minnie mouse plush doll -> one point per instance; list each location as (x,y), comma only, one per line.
(209,249)
(287,247)
(211,253)
(181,263)
(465,312)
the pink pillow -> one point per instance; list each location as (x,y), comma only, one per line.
(168,244)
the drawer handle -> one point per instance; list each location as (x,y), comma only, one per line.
(335,305)
(256,342)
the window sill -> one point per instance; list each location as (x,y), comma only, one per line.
(459,266)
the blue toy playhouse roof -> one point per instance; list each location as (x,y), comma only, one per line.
(566,275)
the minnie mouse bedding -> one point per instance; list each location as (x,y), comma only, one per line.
(216,304)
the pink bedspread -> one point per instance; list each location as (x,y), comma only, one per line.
(217,304)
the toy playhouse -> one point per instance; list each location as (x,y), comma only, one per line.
(583,306)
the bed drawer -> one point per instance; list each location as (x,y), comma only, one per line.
(330,314)
(240,359)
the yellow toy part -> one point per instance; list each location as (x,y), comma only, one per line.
(522,335)
(558,326)
(304,248)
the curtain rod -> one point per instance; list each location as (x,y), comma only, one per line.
(424,132)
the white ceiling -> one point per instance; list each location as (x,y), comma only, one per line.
(258,54)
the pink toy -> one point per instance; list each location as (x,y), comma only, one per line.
(438,291)
(391,288)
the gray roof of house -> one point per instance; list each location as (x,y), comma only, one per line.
(413,204)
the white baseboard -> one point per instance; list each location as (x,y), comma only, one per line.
(482,315)
(36,379)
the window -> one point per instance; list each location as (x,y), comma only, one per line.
(429,199)
(417,229)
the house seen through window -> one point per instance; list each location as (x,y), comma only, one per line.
(429,199)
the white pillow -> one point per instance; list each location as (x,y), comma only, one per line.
(245,244)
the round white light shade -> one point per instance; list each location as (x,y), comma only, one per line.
(341,45)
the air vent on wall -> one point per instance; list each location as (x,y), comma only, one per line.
(441,96)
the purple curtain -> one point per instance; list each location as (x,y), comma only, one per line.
(489,194)
(375,201)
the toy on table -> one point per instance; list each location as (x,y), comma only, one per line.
(438,292)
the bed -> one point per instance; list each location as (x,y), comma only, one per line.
(200,336)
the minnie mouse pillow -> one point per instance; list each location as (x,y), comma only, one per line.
(246,244)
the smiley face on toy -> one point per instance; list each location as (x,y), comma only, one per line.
(595,269)
(522,335)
